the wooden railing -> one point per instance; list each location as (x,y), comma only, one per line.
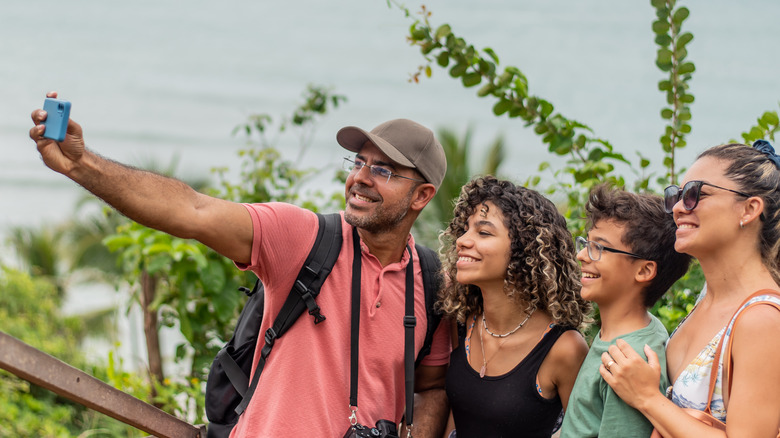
(51,373)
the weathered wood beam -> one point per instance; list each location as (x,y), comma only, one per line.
(51,373)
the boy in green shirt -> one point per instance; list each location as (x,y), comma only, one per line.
(628,263)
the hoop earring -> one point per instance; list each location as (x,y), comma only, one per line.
(741,225)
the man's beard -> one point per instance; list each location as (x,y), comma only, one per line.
(383,218)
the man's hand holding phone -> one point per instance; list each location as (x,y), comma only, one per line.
(59,139)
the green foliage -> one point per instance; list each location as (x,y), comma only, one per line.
(671,58)
(590,159)
(766,127)
(197,290)
(182,397)
(460,170)
(29,311)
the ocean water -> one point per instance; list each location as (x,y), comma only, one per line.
(154,81)
(157,81)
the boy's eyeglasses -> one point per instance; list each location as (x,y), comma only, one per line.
(354,166)
(595,249)
(689,194)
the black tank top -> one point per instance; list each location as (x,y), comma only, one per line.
(502,406)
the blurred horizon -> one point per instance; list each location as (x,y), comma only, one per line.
(156,82)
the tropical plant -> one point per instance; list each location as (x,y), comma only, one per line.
(590,159)
(460,154)
(30,311)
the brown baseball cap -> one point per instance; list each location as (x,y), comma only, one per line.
(406,142)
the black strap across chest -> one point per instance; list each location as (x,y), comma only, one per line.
(410,321)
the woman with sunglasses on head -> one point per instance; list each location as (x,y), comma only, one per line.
(728,217)
(513,288)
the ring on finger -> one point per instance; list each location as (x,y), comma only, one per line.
(609,365)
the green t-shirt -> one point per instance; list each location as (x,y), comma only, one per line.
(594,409)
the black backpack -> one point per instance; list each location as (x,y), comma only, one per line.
(228,390)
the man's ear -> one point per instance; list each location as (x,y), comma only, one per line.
(647,271)
(422,196)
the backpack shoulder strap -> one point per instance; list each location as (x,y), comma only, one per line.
(315,270)
(431,273)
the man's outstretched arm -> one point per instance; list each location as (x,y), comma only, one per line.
(153,200)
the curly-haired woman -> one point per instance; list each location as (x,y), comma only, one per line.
(513,290)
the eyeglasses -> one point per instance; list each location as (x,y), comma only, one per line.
(689,194)
(354,166)
(595,249)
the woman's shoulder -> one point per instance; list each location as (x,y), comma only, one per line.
(570,347)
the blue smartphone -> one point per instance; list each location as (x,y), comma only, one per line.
(58,113)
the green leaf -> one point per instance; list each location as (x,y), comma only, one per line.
(443,59)
(665,85)
(663,40)
(684,39)
(158,263)
(486,89)
(658,3)
(157,248)
(561,145)
(492,54)
(596,154)
(686,67)
(771,118)
(667,113)
(664,56)
(660,27)
(680,15)
(471,79)
(687,98)
(418,34)
(502,106)
(680,54)
(117,241)
(458,70)
(213,277)
(547,109)
(443,31)
(487,68)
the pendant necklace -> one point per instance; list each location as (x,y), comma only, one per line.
(482,346)
(500,344)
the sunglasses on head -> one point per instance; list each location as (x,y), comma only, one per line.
(689,194)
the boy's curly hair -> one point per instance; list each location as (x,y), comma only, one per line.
(543,270)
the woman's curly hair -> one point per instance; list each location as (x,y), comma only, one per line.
(543,269)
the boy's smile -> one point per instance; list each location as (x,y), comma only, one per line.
(610,277)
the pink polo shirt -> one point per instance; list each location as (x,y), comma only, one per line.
(304,388)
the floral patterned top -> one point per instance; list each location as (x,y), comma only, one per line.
(691,388)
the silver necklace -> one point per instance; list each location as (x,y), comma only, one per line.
(495,335)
